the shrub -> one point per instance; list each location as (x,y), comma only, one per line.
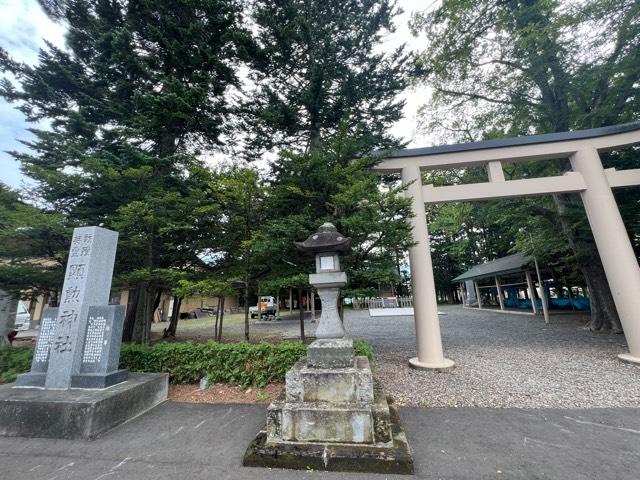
(236,363)
(363,348)
(14,360)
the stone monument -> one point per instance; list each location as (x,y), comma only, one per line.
(75,388)
(79,342)
(8,310)
(331,416)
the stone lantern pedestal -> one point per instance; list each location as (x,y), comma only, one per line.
(331,416)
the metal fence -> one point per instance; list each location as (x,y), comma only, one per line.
(378,302)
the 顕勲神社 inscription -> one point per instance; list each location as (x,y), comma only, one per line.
(81,331)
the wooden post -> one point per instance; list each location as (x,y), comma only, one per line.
(475,284)
(499,288)
(532,292)
(543,293)
(290,301)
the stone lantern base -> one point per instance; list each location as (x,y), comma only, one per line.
(330,417)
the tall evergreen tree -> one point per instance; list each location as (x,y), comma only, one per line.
(319,62)
(141,87)
(33,247)
(325,94)
(333,184)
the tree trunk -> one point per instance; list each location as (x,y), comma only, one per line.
(302,337)
(54,299)
(221,319)
(290,301)
(130,318)
(246,309)
(147,300)
(604,315)
(215,326)
(170,331)
(259,308)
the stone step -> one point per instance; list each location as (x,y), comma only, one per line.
(336,385)
(346,422)
(330,353)
(306,422)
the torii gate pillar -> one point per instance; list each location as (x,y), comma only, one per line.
(588,177)
(425,305)
(617,255)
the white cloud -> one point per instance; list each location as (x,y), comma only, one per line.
(407,127)
(23,28)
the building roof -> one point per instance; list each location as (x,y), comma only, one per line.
(509,264)
(515,141)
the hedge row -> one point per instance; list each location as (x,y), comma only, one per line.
(14,360)
(236,363)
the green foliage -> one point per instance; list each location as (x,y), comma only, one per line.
(236,363)
(363,348)
(28,233)
(274,285)
(317,64)
(140,89)
(13,361)
(334,183)
(499,69)
(206,288)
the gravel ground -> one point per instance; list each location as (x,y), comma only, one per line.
(503,360)
(224,393)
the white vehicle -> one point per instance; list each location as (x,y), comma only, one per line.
(267,307)
(23,318)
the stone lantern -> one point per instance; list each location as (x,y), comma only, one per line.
(327,244)
(330,416)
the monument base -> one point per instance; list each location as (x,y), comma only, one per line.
(78,413)
(84,380)
(392,458)
(30,379)
(99,380)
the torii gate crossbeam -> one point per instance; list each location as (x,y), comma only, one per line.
(588,177)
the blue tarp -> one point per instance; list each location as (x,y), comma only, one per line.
(579,303)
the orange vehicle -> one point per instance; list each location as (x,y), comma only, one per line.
(267,308)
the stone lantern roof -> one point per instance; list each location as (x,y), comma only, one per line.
(325,239)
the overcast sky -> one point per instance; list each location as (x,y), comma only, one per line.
(24,27)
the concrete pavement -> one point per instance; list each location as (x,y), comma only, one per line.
(202,441)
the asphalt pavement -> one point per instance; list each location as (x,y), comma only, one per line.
(204,441)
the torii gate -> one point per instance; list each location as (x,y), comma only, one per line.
(588,177)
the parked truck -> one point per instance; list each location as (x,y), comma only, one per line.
(267,308)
